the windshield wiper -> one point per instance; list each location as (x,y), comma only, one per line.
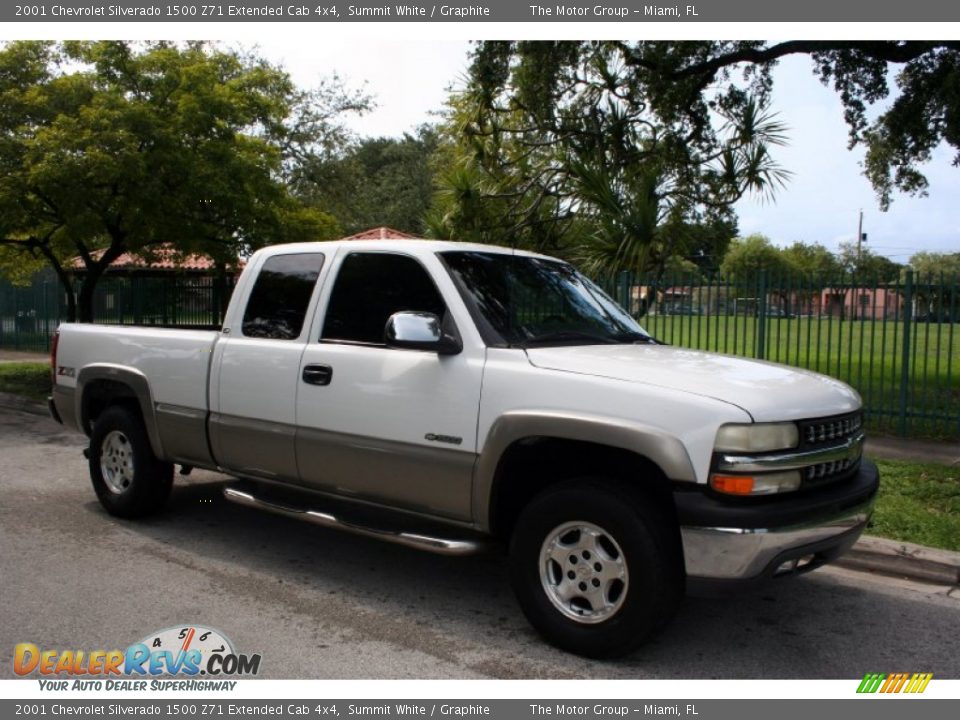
(564,336)
(637,337)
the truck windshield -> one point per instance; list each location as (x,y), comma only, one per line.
(526,301)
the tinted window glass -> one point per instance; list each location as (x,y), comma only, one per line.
(370,287)
(278,302)
(528,300)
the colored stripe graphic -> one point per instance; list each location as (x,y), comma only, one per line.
(870,683)
(922,680)
(890,683)
(894,682)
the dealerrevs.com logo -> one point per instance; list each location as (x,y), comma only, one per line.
(186,651)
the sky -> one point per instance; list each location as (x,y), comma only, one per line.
(821,203)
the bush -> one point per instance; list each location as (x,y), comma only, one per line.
(30,379)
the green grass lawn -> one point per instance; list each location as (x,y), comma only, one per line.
(918,503)
(866,354)
(30,379)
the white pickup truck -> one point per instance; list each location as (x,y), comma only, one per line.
(449,396)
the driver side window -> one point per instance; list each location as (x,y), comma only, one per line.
(369,288)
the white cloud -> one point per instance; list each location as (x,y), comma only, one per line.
(408,78)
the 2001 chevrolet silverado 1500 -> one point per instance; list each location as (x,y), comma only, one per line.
(443,395)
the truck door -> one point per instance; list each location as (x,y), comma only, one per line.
(384,424)
(254,386)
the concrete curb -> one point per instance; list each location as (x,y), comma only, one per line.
(902,559)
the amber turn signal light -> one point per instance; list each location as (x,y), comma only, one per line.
(761,484)
(732,484)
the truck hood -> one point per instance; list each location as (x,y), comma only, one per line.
(767,391)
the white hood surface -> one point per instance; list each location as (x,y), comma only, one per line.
(767,391)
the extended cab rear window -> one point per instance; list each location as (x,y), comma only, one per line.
(278,302)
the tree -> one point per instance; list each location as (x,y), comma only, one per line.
(691,78)
(935,278)
(475,202)
(811,268)
(749,255)
(866,264)
(377,181)
(115,147)
(935,265)
(678,267)
(812,260)
(705,244)
(556,148)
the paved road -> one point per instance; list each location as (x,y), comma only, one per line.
(321,604)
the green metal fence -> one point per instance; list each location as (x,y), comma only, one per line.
(29,315)
(897,343)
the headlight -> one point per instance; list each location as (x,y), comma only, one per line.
(755,437)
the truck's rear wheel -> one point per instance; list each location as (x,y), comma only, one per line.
(128,478)
(596,567)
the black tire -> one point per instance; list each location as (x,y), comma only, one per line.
(119,433)
(644,534)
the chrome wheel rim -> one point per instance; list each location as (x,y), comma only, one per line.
(116,462)
(583,572)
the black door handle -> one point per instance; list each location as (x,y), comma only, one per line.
(317,374)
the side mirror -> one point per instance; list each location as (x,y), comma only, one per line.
(420,331)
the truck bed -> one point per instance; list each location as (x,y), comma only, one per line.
(176,363)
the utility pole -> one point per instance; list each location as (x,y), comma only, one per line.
(853,304)
(860,241)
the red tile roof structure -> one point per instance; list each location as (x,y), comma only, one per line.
(166,257)
(381,233)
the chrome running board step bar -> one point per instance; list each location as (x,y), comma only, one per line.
(432,541)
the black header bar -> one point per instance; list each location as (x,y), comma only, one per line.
(632,12)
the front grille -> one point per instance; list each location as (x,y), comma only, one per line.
(830,451)
(829,472)
(829,432)
(822,432)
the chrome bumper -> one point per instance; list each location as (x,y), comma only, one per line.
(730,553)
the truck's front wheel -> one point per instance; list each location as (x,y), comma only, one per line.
(128,478)
(595,567)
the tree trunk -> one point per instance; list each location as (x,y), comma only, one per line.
(95,271)
(85,297)
(66,282)
(71,303)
